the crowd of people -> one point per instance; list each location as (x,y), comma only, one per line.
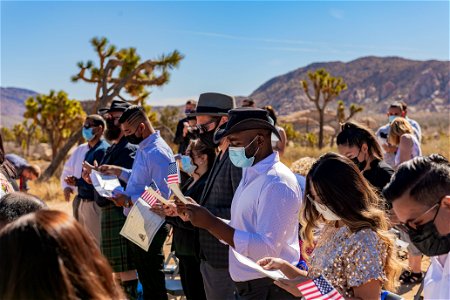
(336,217)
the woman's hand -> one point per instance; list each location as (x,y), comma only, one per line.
(88,167)
(158,209)
(290,285)
(170,209)
(271,263)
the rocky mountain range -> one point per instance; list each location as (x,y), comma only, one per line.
(372,82)
(12,105)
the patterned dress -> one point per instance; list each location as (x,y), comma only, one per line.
(348,259)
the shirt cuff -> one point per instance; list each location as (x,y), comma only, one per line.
(125,175)
(241,241)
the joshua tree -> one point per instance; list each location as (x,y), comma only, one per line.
(325,89)
(119,74)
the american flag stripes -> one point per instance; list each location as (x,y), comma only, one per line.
(174,173)
(148,197)
(319,288)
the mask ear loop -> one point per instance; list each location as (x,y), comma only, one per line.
(252,143)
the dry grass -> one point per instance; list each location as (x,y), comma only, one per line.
(49,191)
(440,143)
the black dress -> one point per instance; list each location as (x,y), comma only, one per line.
(184,244)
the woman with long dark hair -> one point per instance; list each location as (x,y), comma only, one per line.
(354,251)
(48,255)
(360,145)
(197,162)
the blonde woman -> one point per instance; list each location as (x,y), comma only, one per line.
(401,134)
(354,251)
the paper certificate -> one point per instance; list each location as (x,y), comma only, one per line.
(141,225)
(176,190)
(274,274)
(104,184)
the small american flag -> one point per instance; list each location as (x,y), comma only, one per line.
(174,173)
(319,288)
(148,197)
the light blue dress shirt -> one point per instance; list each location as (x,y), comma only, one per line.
(151,163)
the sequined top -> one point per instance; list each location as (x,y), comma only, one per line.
(348,259)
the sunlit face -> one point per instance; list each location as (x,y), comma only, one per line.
(114,115)
(132,129)
(349,152)
(189,107)
(409,211)
(27,174)
(395,111)
(352,152)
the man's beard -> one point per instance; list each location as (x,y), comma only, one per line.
(112,132)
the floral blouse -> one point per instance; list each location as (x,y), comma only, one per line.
(348,259)
(5,186)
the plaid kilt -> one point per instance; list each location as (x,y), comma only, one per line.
(114,246)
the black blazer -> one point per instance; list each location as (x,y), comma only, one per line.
(184,239)
(217,196)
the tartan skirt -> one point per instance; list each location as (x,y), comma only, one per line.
(114,246)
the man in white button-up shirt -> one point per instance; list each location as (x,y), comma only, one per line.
(265,207)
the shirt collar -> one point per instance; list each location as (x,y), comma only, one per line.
(264,165)
(150,139)
(100,141)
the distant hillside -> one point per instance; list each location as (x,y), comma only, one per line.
(12,105)
(372,82)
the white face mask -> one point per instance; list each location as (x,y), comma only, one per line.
(326,212)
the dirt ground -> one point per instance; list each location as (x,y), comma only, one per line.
(407,291)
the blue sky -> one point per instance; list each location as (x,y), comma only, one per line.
(230,47)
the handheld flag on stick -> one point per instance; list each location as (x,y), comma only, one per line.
(148,197)
(173,174)
(319,288)
(173,179)
(156,193)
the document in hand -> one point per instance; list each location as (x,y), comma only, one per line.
(104,184)
(274,274)
(141,225)
(176,190)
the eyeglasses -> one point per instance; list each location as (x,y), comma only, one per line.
(414,224)
(202,128)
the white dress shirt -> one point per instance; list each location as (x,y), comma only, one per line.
(74,165)
(437,280)
(264,214)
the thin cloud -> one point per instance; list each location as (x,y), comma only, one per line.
(314,46)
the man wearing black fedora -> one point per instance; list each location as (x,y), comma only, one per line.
(212,112)
(119,155)
(265,206)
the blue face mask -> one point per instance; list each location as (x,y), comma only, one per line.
(238,157)
(186,164)
(392,118)
(87,133)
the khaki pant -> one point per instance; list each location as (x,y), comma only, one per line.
(89,215)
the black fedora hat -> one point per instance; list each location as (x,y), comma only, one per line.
(246,118)
(214,104)
(116,105)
